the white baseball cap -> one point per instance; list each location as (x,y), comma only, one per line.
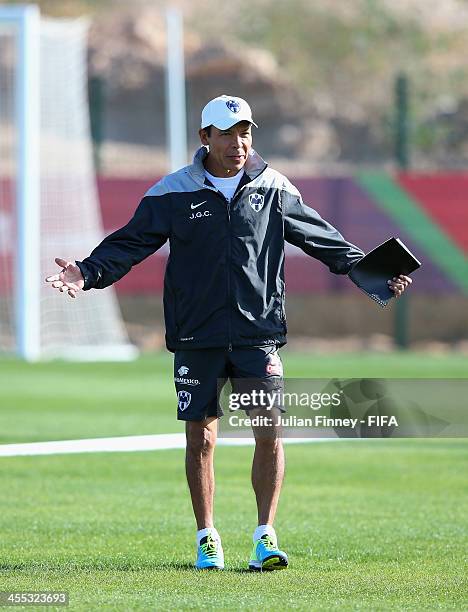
(225,111)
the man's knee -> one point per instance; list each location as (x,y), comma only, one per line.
(268,434)
(268,440)
(201,437)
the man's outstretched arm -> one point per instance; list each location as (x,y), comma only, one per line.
(144,234)
(306,229)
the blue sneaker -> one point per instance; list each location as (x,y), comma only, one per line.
(267,556)
(210,554)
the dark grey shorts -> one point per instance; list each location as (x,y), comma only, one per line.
(199,376)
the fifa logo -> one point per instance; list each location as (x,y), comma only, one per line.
(256,201)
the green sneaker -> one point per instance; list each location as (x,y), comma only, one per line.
(267,556)
(210,554)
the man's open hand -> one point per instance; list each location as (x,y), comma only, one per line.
(398,285)
(69,279)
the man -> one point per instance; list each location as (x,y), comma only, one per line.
(226,217)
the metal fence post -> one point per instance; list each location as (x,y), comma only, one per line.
(402,128)
(96,116)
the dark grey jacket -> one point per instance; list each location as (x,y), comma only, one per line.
(224,281)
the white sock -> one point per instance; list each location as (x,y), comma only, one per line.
(204,532)
(262,530)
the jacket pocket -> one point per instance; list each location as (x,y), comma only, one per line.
(277,312)
(282,308)
(282,299)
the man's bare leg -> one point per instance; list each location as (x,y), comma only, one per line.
(267,469)
(201,441)
(267,478)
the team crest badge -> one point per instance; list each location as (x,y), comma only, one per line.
(233,106)
(256,201)
(184,400)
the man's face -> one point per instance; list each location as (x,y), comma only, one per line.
(228,148)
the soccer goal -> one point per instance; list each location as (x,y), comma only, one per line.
(48,196)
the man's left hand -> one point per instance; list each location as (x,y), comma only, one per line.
(399,284)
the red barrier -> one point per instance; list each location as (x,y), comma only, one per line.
(341,201)
(444,197)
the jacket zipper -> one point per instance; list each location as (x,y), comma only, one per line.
(229,276)
(235,197)
(229,249)
(228,208)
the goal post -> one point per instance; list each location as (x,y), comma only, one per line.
(24,24)
(48,196)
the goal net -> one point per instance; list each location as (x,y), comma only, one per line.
(48,196)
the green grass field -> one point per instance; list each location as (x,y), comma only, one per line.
(368,525)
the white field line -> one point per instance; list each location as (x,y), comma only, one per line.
(125,444)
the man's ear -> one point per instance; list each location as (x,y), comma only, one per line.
(203,136)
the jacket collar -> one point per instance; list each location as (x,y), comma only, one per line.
(254,165)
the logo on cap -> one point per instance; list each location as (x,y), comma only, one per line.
(233,106)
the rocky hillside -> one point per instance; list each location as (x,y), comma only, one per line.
(320,75)
(128,51)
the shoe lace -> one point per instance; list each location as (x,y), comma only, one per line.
(210,547)
(268,542)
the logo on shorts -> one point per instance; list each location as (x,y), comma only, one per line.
(256,201)
(274,365)
(182,371)
(184,400)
